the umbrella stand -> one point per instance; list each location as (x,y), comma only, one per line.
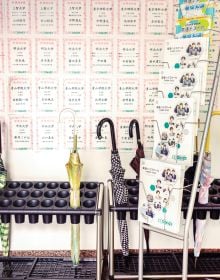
(119,187)
(4,228)
(135,163)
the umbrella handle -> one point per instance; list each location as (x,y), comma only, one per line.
(131,125)
(112,129)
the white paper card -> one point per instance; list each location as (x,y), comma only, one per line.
(160,194)
(174,124)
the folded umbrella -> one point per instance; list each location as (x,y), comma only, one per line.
(74,168)
(119,187)
(135,163)
(205,183)
(4,228)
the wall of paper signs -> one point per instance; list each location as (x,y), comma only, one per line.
(100,58)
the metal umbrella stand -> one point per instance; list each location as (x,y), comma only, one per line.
(119,187)
(135,163)
(4,227)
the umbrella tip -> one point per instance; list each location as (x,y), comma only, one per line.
(195,262)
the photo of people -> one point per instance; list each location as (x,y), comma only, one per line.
(162,150)
(160,195)
(194,49)
(187,80)
(182,109)
(169,175)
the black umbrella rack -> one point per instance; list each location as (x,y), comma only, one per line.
(166,265)
(26,200)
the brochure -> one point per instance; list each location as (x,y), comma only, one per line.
(192,9)
(174,130)
(160,194)
(194,27)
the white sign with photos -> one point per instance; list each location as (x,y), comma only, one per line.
(160,194)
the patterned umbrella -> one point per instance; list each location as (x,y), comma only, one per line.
(4,228)
(135,163)
(119,187)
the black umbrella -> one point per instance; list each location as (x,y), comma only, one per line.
(119,187)
(135,163)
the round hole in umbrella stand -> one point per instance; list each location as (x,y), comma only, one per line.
(135,163)
(119,187)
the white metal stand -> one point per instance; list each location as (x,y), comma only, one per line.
(185,236)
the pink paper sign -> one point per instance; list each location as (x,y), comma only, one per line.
(69,130)
(101,16)
(18,16)
(128,56)
(74,56)
(20,99)
(101,95)
(129,16)
(101,56)
(157,17)
(46,55)
(74,16)
(2,95)
(21,134)
(46,16)
(128,95)
(47,90)
(19,55)
(74,94)
(47,133)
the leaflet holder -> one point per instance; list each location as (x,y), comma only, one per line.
(185,237)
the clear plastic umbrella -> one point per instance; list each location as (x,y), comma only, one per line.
(205,183)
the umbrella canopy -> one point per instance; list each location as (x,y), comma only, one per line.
(74,169)
(205,183)
(119,187)
(135,163)
(4,228)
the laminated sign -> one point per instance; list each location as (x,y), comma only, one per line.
(160,195)
(174,130)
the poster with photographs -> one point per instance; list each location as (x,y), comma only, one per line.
(187,53)
(183,83)
(174,130)
(160,194)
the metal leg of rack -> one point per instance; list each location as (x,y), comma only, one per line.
(111,234)
(99,236)
(140,256)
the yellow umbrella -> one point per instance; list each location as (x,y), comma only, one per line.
(74,168)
